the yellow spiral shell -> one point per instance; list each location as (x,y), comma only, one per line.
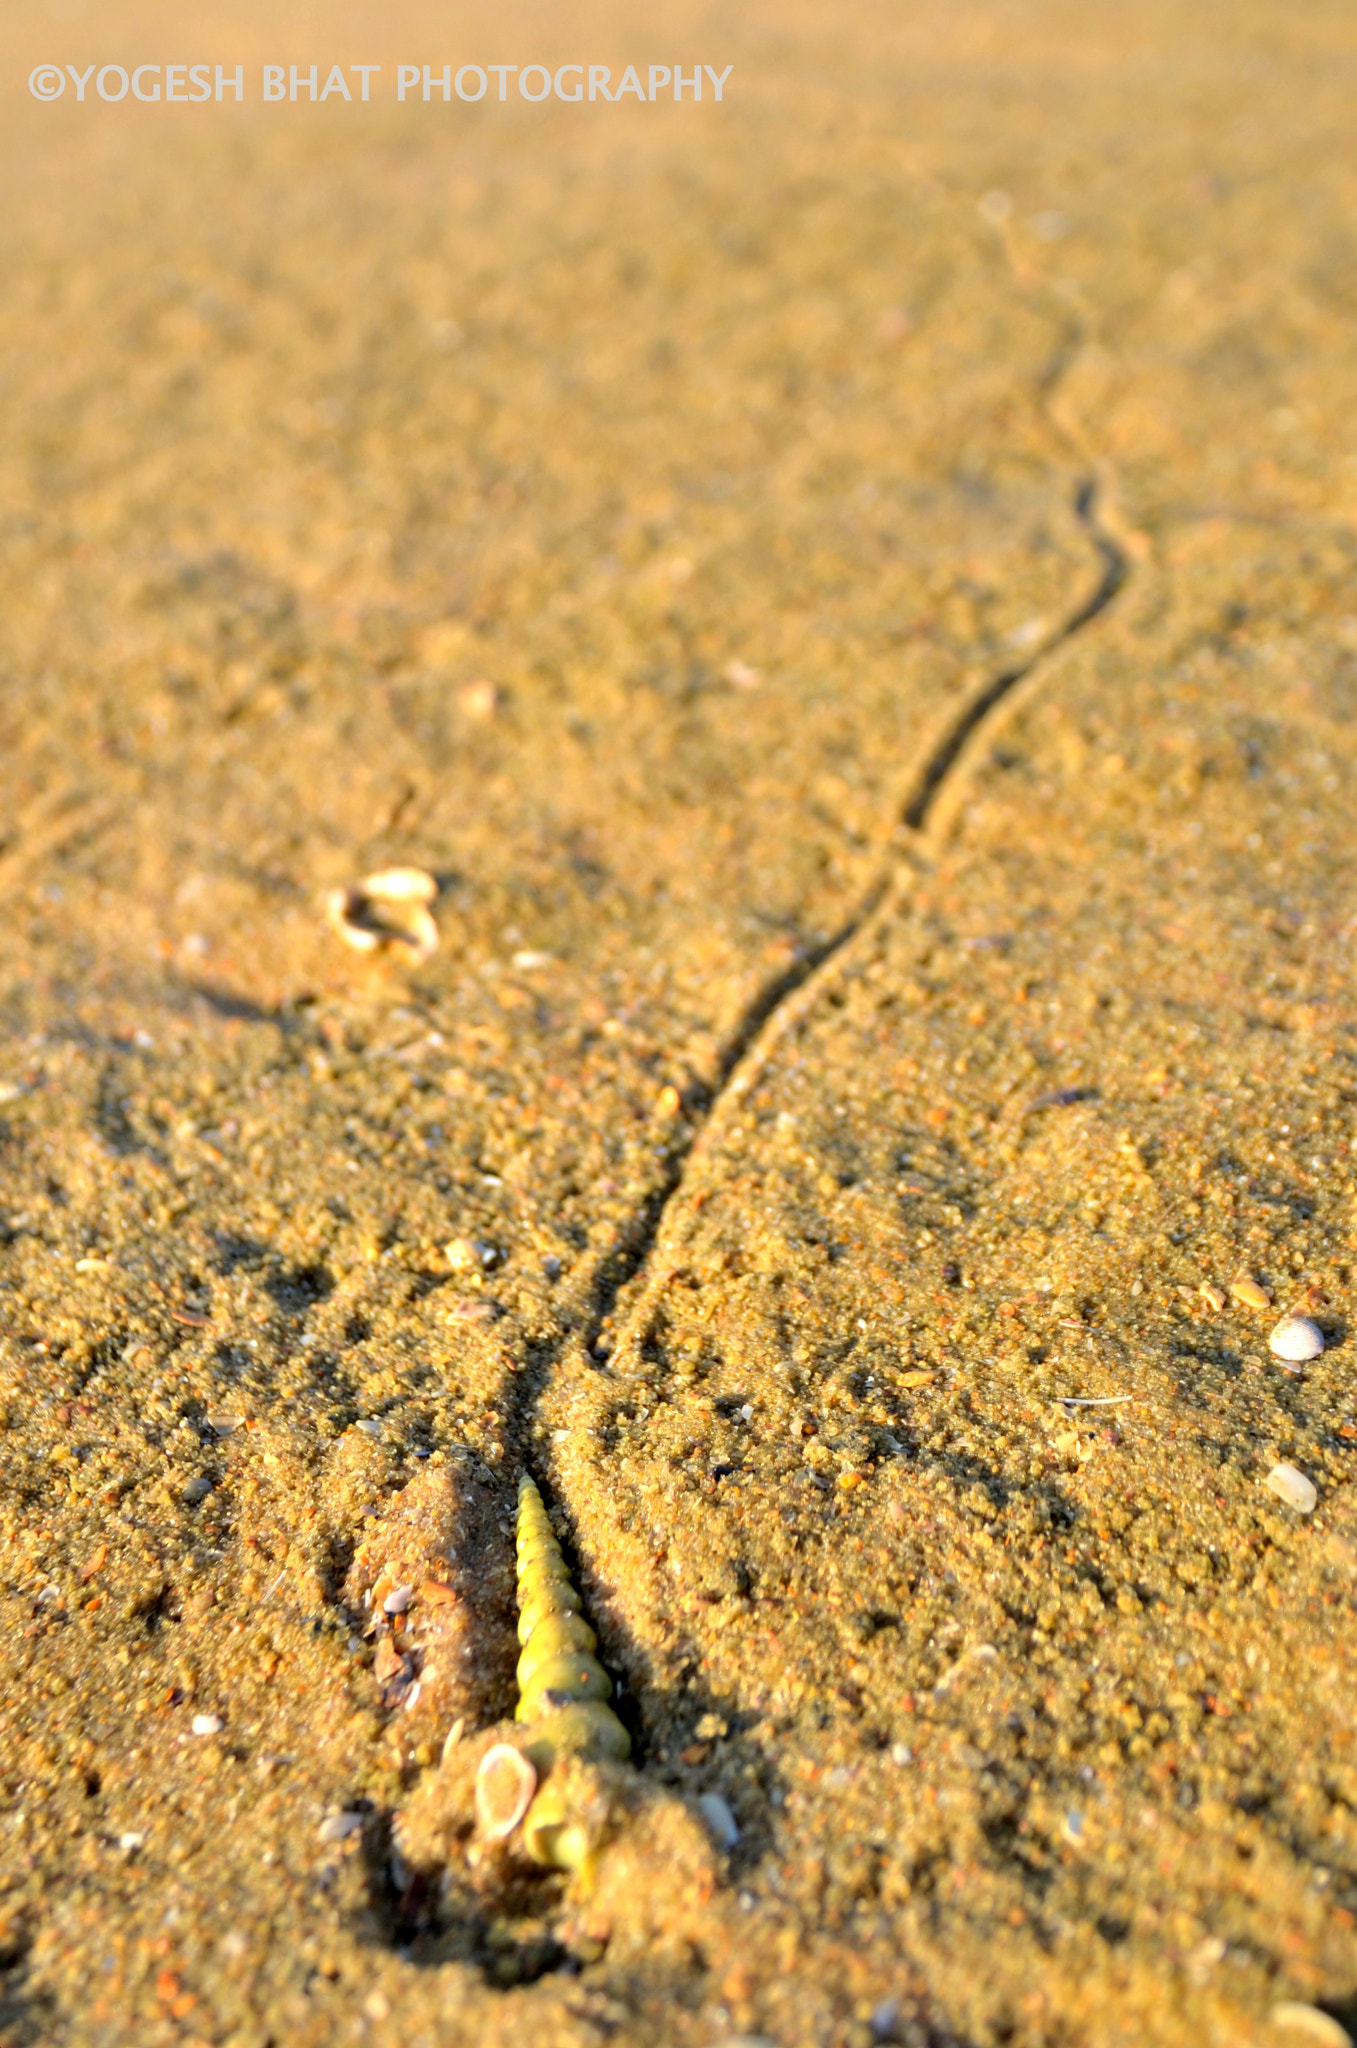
(563,1690)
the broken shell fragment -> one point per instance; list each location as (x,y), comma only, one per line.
(1249,1292)
(1296,1338)
(1292,1486)
(337,1827)
(716,1813)
(390,908)
(505,1783)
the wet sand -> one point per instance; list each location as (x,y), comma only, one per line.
(852,604)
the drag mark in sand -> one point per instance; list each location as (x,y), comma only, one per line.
(779,1009)
(580,1351)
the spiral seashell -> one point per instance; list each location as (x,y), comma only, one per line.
(563,1690)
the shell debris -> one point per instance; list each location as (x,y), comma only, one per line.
(387,910)
(716,1812)
(434,1592)
(1292,1486)
(338,1827)
(1250,1293)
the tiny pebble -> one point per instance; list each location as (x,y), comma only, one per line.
(719,1818)
(207,1724)
(475,1311)
(1072,1828)
(479,700)
(465,1255)
(197,1489)
(130,1843)
(437,1593)
(369,1426)
(337,1827)
(742,675)
(1212,1295)
(1310,2021)
(1297,1338)
(398,1601)
(1247,1290)
(1293,1487)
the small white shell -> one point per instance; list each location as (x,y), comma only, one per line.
(1296,1338)
(398,1602)
(1293,1487)
(337,1827)
(717,1814)
(505,1783)
(390,908)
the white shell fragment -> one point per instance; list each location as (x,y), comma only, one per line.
(1297,1339)
(505,1783)
(388,909)
(719,1818)
(337,1827)
(398,1602)
(207,1724)
(1293,1487)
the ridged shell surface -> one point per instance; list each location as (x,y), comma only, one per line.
(563,1690)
